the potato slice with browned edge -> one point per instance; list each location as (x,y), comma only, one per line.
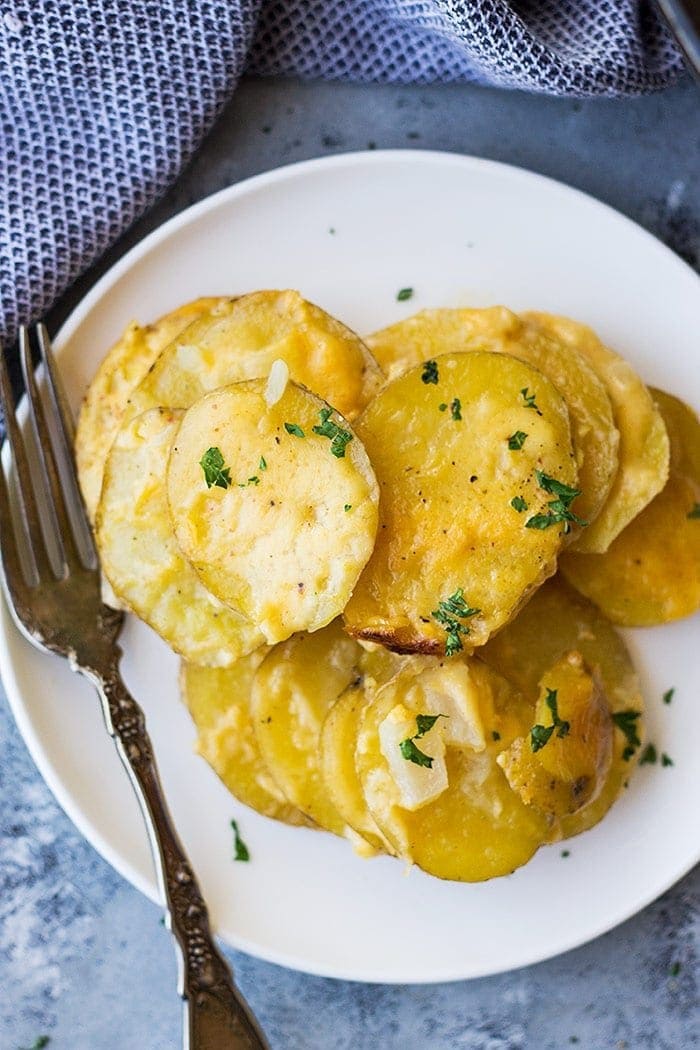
(284,530)
(430,333)
(219,700)
(644,447)
(556,621)
(244,338)
(426,757)
(469,454)
(338,741)
(293,691)
(562,764)
(141,559)
(650,574)
(121,371)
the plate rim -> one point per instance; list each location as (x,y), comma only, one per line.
(161,233)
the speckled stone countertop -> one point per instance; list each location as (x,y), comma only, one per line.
(83,957)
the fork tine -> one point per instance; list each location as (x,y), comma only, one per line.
(10,557)
(26,500)
(64,419)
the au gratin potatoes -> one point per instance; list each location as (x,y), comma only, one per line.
(392,567)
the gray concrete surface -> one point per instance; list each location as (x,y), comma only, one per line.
(83,958)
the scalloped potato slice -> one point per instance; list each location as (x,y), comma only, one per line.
(141,559)
(284,543)
(476,827)
(294,689)
(644,445)
(338,741)
(567,766)
(449,535)
(219,700)
(243,339)
(650,574)
(431,333)
(123,368)
(555,621)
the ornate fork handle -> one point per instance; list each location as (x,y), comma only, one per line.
(216,1015)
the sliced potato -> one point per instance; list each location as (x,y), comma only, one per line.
(141,559)
(449,535)
(243,340)
(650,574)
(469,825)
(294,689)
(562,764)
(644,446)
(285,540)
(219,700)
(121,371)
(431,333)
(338,741)
(556,621)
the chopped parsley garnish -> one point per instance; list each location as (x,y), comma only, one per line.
(240,850)
(566,853)
(215,473)
(559,507)
(442,407)
(348,506)
(262,465)
(424,723)
(403,294)
(626,721)
(456,409)
(255,480)
(518,503)
(448,614)
(294,428)
(517,440)
(675,969)
(339,438)
(430,372)
(495,735)
(539,734)
(649,756)
(529,400)
(666,760)
(695,512)
(668,695)
(40,1042)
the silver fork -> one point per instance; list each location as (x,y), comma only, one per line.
(55,601)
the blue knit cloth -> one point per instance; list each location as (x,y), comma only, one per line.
(102,102)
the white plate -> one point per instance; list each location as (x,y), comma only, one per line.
(349,232)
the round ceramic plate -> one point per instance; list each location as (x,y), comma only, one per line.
(349,232)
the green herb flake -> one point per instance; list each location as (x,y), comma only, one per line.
(430,372)
(495,735)
(529,400)
(668,695)
(456,409)
(262,465)
(665,760)
(674,969)
(566,853)
(348,506)
(448,614)
(626,722)
(240,850)
(295,429)
(39,1043)
(695,511)
(539,734)
(443,407)
(559,507)
(649,756)
(215,473)
(518,503)
(403,294)
(338,437)
(424,723)
(517,440)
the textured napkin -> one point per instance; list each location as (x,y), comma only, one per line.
(102,102)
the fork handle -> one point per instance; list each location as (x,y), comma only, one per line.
(216,1017)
